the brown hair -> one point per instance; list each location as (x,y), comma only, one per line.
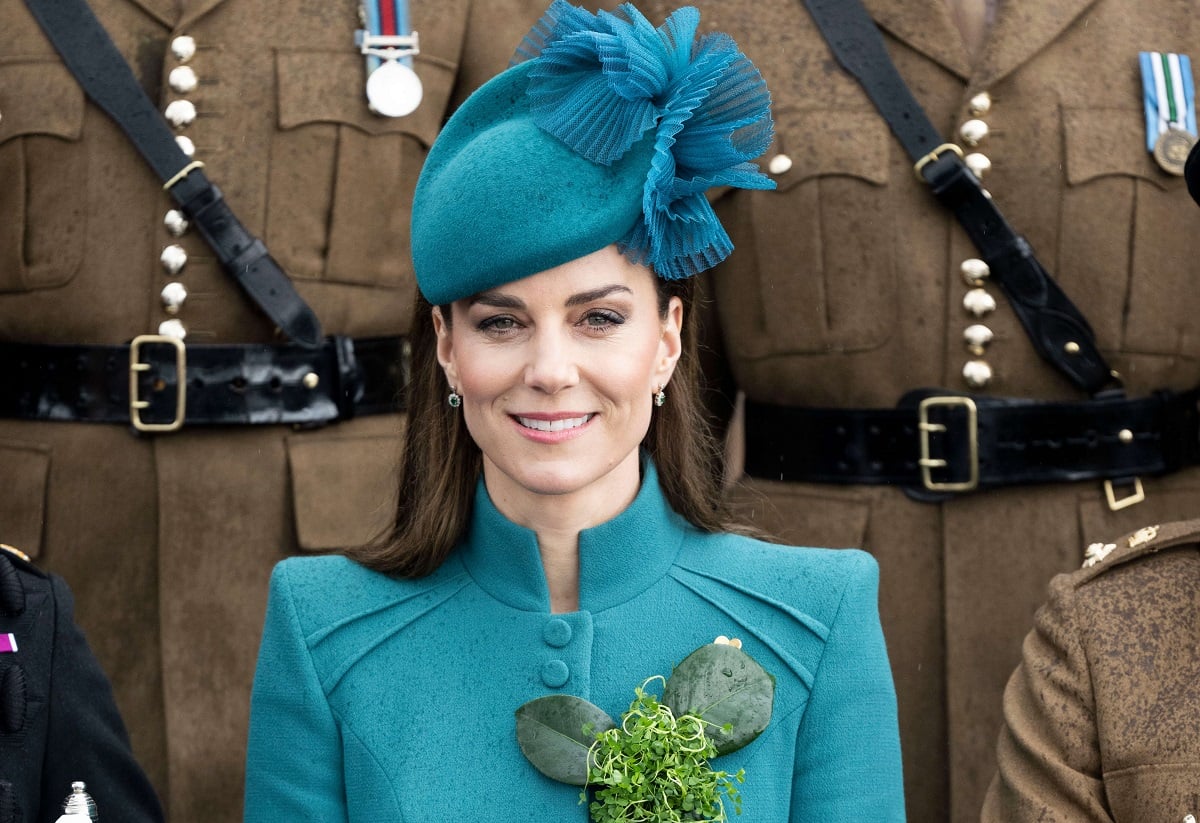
(440,466)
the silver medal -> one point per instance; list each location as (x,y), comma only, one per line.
(393,89)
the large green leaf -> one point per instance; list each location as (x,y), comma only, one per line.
(556,731)
(727,688)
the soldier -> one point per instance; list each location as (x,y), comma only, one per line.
(1101,717)
(58,722)
(852,286)
(172,534)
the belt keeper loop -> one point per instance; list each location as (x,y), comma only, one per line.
(349,376)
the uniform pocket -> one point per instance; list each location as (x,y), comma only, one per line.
(1128,239)
(43,174)
(1166,791)
(823,282)
(341,178)
(24,471)
(343,487)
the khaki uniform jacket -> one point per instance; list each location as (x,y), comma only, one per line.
(845,290)
(1102,717)
(168,541)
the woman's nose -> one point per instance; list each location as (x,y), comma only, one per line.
(551,366)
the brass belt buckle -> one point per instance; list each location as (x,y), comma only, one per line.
(928,464)
(1132,499)
(136,404)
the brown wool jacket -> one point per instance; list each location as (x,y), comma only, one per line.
(1102,717)
(845,291)
(168,541)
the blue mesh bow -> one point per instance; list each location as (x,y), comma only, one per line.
(603,80)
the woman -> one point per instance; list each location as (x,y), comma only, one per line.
(557,530)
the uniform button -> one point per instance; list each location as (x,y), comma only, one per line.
(973,132)
(173,295)
(980,104)
(779,164)
(182,79)
(12,700)
(977,373)
(555,674)
(974,271)
(979,164)
(557,633)
(978,302)
(172,328)
(180,113)
(977,337)
(185,145)
(175,222)
(173,259)
(184,48)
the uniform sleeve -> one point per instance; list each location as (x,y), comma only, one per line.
(848,746)
(293,761)
(1048,753)
(86,738)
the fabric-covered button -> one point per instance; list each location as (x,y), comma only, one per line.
(555,674)
(557,633)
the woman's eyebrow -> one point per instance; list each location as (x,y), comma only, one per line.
(497,300)
(596,294)
(500,300)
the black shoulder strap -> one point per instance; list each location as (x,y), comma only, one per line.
(107,79)
(1058,330)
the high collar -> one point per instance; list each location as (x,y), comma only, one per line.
(617,560)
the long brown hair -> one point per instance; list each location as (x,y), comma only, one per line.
(440,466)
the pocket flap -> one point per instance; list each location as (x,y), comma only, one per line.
(50,100)
(1107,142)
(336,94)
(819,143)
(24,470)
(343,488)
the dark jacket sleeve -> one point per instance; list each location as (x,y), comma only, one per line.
(86,739)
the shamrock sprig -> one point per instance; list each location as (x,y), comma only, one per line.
(654,765)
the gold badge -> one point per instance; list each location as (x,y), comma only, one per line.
(1171,150)
(1142,536)
(1096,553)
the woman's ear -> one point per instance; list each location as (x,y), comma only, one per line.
(445,346)
(671,344)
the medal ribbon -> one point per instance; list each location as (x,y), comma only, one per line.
(386,18)
(1168,94)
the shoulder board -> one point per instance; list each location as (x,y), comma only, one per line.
(1100,557)
(17,558)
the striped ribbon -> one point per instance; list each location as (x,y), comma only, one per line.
(1168,94)
(389,18)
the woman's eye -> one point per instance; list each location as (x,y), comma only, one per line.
(497,324)
(602,319)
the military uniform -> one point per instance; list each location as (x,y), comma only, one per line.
(847,289)
(170,538)
(1102,717)
(58,721)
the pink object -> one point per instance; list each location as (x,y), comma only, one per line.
(8,642)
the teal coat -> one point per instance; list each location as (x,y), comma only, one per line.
(379,699)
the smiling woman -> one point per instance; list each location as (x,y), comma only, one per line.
(558,537)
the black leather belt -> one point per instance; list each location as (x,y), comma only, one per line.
(160,384)
(936,444)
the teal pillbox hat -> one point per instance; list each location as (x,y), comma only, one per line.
(609,131)
(500,199)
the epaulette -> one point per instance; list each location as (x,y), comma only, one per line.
(13,563)
(1100,557)
(13,550)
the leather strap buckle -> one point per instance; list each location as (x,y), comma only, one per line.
(136,366)
(921,163)
(1132,499)
(929,463)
